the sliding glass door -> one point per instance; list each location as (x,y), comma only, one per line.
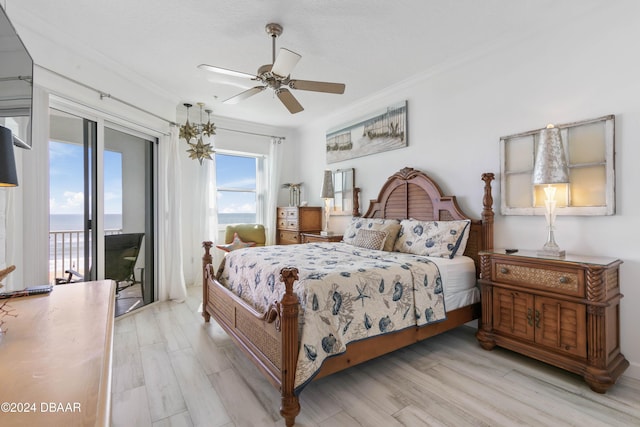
(128,216)
(102,206)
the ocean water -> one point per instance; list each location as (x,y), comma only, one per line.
(74,222)
(236,218)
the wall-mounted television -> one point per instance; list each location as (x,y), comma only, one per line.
(16,83)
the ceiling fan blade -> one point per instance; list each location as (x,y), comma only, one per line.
(244,95)
(317,86)
(289,101)
(284,63)
(224,71)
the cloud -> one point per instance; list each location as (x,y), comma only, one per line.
(238,208)
(73,199)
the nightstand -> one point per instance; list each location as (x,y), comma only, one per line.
(313,237)
(562,311)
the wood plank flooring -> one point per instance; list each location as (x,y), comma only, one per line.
(172,369)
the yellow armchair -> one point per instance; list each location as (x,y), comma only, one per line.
(247,233)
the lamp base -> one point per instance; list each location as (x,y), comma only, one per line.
(556,253)
(326,233)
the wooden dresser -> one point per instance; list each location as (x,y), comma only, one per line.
(293,221)
(56,355)
(565,312)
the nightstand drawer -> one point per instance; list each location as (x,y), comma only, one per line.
(317,238)
(558,280)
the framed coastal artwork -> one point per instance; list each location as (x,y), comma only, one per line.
(381,130)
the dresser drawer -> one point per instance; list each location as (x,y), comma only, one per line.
(288,213)
(568,281)
(288,237)
(287,224)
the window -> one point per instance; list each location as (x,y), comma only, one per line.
(239,198)
(589,150)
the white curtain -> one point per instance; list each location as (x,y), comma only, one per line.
(274,163)
(171,283)
(201,219)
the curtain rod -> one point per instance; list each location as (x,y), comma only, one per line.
(170,122)
(250,133)
(103,95)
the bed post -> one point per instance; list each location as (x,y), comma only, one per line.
(206,260)
(290,406)
(487,212)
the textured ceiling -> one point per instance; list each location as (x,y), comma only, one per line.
(368,45)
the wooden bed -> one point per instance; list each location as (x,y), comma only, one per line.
(271,339)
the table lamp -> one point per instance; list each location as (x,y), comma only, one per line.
(327,195)
(8,174)
(550,169)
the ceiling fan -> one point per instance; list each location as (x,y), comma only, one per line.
(277,76)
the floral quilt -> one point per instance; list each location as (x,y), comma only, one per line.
(346,293)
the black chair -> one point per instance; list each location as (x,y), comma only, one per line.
(120,255)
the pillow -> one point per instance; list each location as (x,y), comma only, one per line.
(236,243)
(390,226)
(433,238)
(370,239)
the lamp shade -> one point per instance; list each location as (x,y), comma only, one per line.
(550,166)
(8,175)
(327,185)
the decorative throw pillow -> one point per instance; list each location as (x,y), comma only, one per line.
(370,239)
(389,226)
(433,238)
(236,243)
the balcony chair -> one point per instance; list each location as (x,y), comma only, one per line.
(120,256)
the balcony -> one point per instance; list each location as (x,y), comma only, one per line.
(66,252)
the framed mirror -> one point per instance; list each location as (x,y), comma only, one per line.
(345,192)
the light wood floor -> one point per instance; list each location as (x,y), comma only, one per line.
(172,369)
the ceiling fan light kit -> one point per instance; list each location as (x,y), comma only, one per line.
(276,76)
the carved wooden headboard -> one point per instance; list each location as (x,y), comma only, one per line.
(410,193)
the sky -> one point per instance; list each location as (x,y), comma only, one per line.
(239,173)
(66,191)
(66,194)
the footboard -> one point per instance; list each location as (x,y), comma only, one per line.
(270,340)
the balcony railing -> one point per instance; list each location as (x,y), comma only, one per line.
(66,252)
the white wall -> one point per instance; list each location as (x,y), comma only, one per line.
(457,114)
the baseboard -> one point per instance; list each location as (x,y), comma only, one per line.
(633,371)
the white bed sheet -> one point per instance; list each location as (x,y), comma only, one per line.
(458,281)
